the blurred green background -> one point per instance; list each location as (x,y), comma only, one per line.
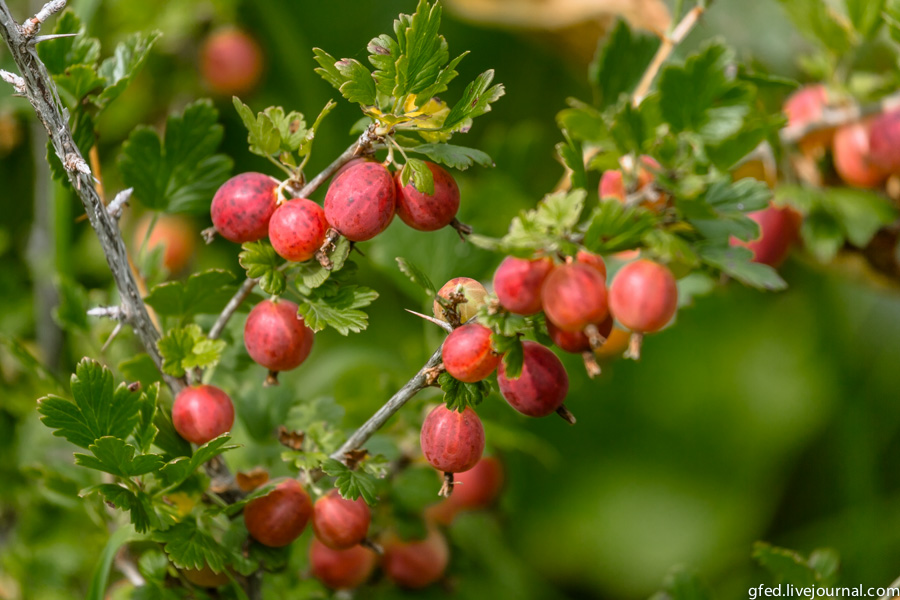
(758,416)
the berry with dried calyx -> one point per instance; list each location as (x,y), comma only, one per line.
(242,207)
(297,229)
(472,292)
(428,212)
(360,201)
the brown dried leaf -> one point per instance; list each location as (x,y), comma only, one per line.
(252,479)
(354,457)
(291,439)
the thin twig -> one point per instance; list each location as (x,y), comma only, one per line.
(243,292)
(396,402)
(42,93)
(33,25)
(668,44)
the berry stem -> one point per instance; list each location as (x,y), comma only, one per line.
(634,346)
(447,487)
(461,228)
(590,364)
(372,545)
(271,379)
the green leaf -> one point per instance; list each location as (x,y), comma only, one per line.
(455,157)
(721,212)
(583,122)
(621,60)
(671,248)
(613,227)
(304,415)
(513,353)
(98,410)
(571,154)
(176,471)
(167,439)
(182,172)
(187,348)
(891,16)
(261,262)
(273,131)
(825,562)
(736,262)
(358,84)
(351,484)
(305,144)
(412,489)
(421,175)
(865,15)
(336,305)
(189,547)
(115,456)
(698,96)
(459,395)
(100,578)
(60,53)
(475,102)
(140,367)
(822,235)
(327,69)
(71,311)
(682,584)
(79,81)
(861,213)
(120,69)
(416,275)
(142,515)
(818,22)
(146,430)
(785,565)
(311,274)
(206,292)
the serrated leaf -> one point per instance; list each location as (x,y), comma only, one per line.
(142,515)
(513,353)
(337,306)
(189,547)
(891,16)
(698,96)
(206,292)
(621,60)
(98,410)
(140,367)
(187,348)
(352,484)
(583,122)
(305,144)
(571,154)
(865,15)
(273,131)
(146,430)
(671,248)
(613,227)
(115,456)
(311,274)
(861,213)
(736,262)
(304,415)
(476,101)
(176,471)
(459,395)
(416,275)
(261,262)
(60,53)
(455,157)
(721,212)
(167,439)
(182,172)
(121,68)
(417,171)
(79,81)
(822,235)
(327,69)
(817,21)
(71,310)
(358,85)
(785,565)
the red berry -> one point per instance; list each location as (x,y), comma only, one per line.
(778,229)
(174,233)
(805,106)
(474,489)
(612,184)
(885,141)
(360,202)
(471,290)
(592,260)
(574,296)
(279,517)
(341,569)
(643,296)
(428,212)
(542,386)
(577,342)
(468,354)
(416,564)
(201,413)
(353,162)
(853,158)
(297,229)
(276,337)
(518,281)
(339,523)
(231,62)
(242,207)
(452,441)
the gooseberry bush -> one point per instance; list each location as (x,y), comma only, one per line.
(668,192)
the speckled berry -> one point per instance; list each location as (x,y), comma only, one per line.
(452,441)
(471,290)
(360,201)
(467,353)
(242,207)
(201,413)
(428,212)
(574,296)
(276,337)
(297,229)
(518,281)
(340,523)
(542,386)
(279,517)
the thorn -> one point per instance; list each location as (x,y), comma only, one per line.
(115,207)
(54,36)
(209,234)
(566,414)
(111,337)
(33,25)
(110,312)
(442,324)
